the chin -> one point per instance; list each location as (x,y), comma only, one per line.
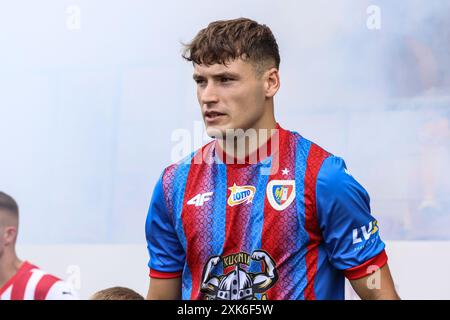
(220,130)
(215,132)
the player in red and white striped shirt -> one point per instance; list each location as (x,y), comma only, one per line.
(20,280)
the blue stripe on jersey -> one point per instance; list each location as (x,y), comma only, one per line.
(179,186)
(301,155)
(219,211)
(330,282)
(257,211)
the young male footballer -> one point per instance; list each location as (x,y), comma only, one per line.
(260,212)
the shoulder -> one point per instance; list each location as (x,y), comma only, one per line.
(199,156)
(202,155)
(311,151)
(173,177)
(50,287)
(327,170)
(335,181)
(333,171)
(311,157)
(44,284)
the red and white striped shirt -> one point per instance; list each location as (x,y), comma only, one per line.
(32,283)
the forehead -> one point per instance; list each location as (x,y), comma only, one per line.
(237,66)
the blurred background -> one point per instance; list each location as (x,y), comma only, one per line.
(91,93)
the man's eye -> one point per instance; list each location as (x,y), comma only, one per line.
(225,79)
(200,81)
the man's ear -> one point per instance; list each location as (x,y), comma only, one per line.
(9,235)
(272,82)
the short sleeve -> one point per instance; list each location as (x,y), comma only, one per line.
(351,234)
(166,253)
(61,290)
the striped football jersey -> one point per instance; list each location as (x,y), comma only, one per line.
(32,283)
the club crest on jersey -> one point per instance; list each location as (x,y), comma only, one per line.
(280,193)
(241,194)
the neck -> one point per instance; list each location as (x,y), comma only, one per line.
(242,146)
(9,265)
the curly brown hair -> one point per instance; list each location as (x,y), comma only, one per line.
(225,40)
(116,293)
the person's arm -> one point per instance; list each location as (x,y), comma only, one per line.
(167,255)
(350,232)
(377,286)
(164,289)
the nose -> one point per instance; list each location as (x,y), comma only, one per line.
(208,95)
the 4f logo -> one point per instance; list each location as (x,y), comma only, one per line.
(200,199)
(366,232)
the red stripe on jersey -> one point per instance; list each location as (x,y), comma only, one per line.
(197,220)
(20,284)
(24,268)
(316,156)
(164,275)
(280,228)
(362,270)
(44,285)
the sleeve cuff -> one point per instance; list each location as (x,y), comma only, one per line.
(164,275)
(361,270)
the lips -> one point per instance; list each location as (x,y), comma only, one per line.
(212,115)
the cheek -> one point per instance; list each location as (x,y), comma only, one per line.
(260,93)
(245,102)
(198,96)
(253,99)
(244,98)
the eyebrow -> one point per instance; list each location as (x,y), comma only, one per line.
(219,75)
